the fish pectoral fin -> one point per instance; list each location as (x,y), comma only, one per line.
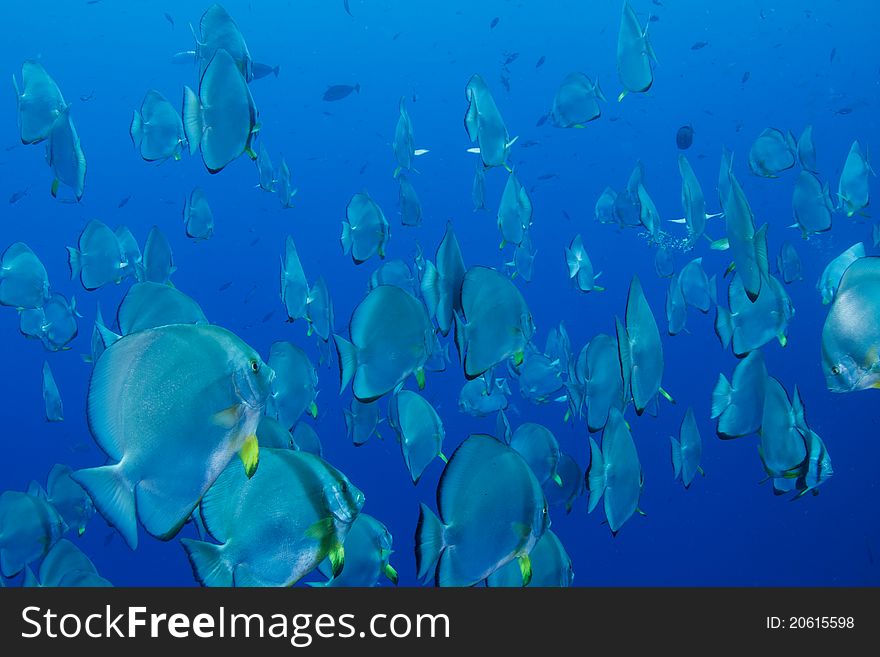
(390,573)
(668,397)
(336,555)
(557,479)
(250,455)
(228,417)
(521,529)
(525,568)
(323,532)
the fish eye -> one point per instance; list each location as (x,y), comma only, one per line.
(255,366)
(835,370)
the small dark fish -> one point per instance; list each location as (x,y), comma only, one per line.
(169,19)
(566,215)
(540,61)
(347,8)
(340,91)
(87,97)
(547,176)
(363,168)
(17,196)
(505,81)
(122,203)
(542,120)
(268,316)
(745,77)
(10,148)
(832,55)
(250,294)
(262,70)
(531,143)
(92,2)
(225,286)
(494,22)
(510,58)
(255,241)
(684,137)
(843,111)
(657,2)
(415,98)
(699,45)
(654,18)
(396,34)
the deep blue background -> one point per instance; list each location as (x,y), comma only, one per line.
(725,530)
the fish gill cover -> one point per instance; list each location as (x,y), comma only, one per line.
(262,256)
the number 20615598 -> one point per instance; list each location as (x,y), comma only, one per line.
(810,622)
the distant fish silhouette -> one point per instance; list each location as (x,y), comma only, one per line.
(17,196)
(339,91)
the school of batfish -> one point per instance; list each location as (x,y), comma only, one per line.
(199,428)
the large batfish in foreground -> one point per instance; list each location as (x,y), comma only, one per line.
(170,406)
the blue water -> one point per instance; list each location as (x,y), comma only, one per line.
(726,529)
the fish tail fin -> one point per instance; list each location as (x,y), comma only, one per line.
(345,239)
(30,580)
(348,416)
(460,336)
(625,352)
(430,541)
(676,458)
(595,476)
(192,119)
(599,91)
(720,396)
(74,261)
(108,337)
(357,87)
(430,287)
(276,70)
(113,496)
(347,356)
(573,264)
(723,326)
(208,562)
(136,130)
(761,254)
